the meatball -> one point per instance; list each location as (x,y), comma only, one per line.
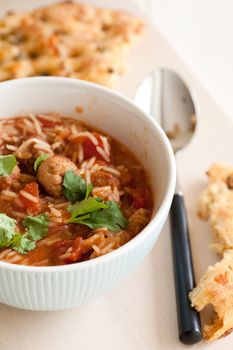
(7,181)
(51,173)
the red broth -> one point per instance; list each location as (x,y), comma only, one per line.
(58,158)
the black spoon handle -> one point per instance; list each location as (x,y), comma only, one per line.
(188,319)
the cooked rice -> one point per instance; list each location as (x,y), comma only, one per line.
(106,249)
(22,151)
(18,214)
(6,138)
(5,198)
(24,262)
(9,194)
(10,130)
(95,239)
(95,167)
(112,196)
(41,263)
(37,125)
(100,230)
(87,134)
(11,148)
(55,212)
(15,259)
(61,205)
(90,163)
(102,153)
(80,153)
(111,170)
(105,144)
(52,241)
(28,123)
(4,253)
(73,130)
(12,253)
(56,219)
(55,145)
(29,196)
(51,118)
(116,194)
(64,256)
(96,249)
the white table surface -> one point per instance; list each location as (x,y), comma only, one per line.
(139,314)
(201,32)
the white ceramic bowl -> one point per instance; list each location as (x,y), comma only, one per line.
(61,287)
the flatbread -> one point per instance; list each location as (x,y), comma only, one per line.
(216,286)
(216,206)
(68,39)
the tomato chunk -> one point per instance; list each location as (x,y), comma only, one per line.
(89,149)
(31,205)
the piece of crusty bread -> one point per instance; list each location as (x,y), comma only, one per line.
(216,288)
(216,206)
(67,39)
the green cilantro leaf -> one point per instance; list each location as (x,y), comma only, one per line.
(7,230)
(40,160)
(85,206)
(75,187)
(110,217)
(89,190)
(37,226)
(22,244)
(7,164)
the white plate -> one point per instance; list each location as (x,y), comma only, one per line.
(140,313)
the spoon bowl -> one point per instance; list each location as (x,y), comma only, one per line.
(167,98)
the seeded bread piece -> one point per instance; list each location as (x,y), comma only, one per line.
(68,39)
(216,206)
(216,288)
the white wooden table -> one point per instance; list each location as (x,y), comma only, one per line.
(140,313)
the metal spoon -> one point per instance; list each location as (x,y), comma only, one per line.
(165,96)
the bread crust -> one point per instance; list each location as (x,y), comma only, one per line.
(216,207)
(216,286)
(67,39)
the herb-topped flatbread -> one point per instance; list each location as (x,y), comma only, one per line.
(67,39)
